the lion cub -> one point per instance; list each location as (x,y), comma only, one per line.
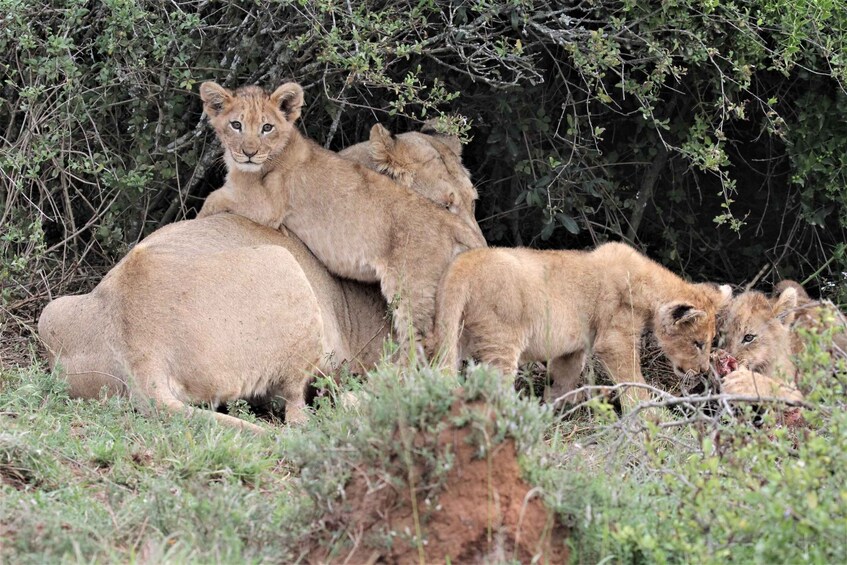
(360,224)
(427,162)
(509,306)
(759,337)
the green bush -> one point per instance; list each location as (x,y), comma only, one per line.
(647,121)
(94,481)
(740,487)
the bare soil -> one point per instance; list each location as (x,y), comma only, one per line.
(483,512)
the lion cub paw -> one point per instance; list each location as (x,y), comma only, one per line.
(744,382)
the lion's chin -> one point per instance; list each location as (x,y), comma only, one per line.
(679,372)
(248,167)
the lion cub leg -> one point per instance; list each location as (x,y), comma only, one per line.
(259,209)
(745,382)
(621,357)
(412,294)
(218,201)
(394,292)
(563,375)
(499,350)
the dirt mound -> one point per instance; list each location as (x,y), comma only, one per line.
(481,511)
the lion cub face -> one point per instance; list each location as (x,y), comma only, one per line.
(756,330)
(253,126)
(685,329)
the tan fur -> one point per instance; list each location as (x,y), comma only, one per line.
(762,334)
(360,224)
(429,164)
(744,382)
(510,306)
(207,311)
(91,336)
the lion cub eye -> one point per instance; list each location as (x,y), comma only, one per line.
(748,338)
(699,345)
(236,125)
(267,128)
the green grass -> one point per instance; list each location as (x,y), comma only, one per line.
(84,481)
(99,481)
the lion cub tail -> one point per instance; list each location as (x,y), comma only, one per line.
(443,345)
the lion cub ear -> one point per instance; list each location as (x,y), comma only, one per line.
(452,142)
(802,295)
(289,99)
(719,295)
(676,314)
(215,98)
(785,305)
(725,295)
(386,153)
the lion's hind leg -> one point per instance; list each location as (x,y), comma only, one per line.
(163,395)
(498,351)
(293,391)
(177,406)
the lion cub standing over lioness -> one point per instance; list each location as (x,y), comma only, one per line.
(359,223)
(509,306)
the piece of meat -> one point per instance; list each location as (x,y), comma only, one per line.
(726,363)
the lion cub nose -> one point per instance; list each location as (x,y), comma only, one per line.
(249,153)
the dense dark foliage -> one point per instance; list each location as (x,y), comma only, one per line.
(710,133)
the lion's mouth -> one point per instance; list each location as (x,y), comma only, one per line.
(725,363)
(685,373)
(250,164)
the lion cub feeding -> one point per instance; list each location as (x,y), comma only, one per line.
(760,335)
(509,306)
(359,223)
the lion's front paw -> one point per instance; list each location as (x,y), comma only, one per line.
(744,382)
(216,203)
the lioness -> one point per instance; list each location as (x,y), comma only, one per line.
(759,337)
(193,315)
(198,312)
(508,306)
(360,224)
